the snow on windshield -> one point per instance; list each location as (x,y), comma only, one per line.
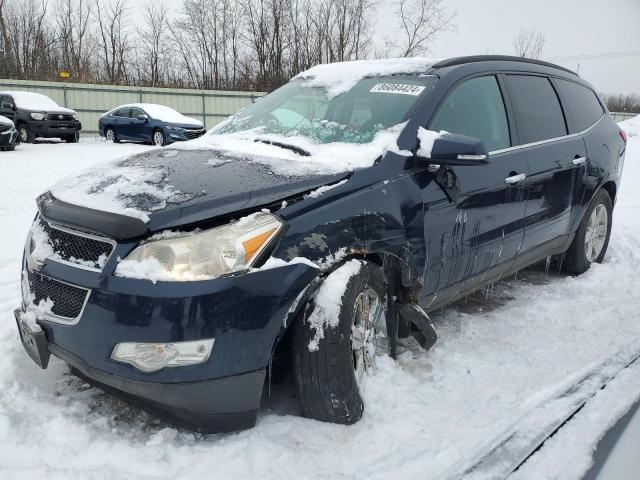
(32,101)
(324,158)
(341,77)
(126,187)
(165,114)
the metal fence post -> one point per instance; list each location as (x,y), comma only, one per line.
(204,110)
(64,92)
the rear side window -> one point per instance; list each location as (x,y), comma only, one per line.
(122,112)
(581,103)
(538,111)
(476,109)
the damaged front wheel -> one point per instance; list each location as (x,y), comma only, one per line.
(328,370)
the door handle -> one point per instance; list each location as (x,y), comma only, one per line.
(515,178)
(579,160)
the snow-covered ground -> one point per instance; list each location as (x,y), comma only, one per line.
(506,365)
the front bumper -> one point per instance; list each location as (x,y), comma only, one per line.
(244,313)
(53,128)
(183,135)
(8,137)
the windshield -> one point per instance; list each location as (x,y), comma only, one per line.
(374,104)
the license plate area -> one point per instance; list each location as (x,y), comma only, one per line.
(34,342)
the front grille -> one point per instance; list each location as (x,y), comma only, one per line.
(60,117)
(80,248)
(191,134)
(68,300)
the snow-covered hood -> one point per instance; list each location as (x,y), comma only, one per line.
(5,121)
(62,110)
(168,187)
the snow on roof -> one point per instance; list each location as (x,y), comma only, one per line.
(32,101)
(162,113)
(341,77)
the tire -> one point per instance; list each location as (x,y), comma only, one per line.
(110,135)
(327,378)
(590,243)
(25,135)
(158,138)
(73,138)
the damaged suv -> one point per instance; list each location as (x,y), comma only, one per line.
(319,226)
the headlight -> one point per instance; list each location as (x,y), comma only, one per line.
(202,255)
(38,116)
(176,129)
(75,117)
(151,357)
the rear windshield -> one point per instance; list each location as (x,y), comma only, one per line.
(374,104)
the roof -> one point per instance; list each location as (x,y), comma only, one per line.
(450,62)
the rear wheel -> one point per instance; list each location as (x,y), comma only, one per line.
(25,135)
(158,138)
(328,371)
(592,238)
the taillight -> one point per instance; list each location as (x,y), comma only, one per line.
(623,135)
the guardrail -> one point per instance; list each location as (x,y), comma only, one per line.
(91,101)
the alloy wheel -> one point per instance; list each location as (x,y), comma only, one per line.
(24,134)
(596,232)
(369,331)
(158,138)
(110,135)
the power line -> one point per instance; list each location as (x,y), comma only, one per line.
(597,56)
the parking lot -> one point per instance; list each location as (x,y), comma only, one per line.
(503,365)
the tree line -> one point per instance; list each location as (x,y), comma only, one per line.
(209,44)
(629,103)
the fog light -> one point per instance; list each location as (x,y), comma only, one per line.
(151,357)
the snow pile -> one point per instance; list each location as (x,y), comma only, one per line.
(124,187)
(162,113)
(324,158)
(328,301)
(427,139)
(631,126)
(339,78)
(36,101)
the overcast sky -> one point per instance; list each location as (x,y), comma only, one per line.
(571,28)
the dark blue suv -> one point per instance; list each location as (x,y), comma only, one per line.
(148,123)
(313,230)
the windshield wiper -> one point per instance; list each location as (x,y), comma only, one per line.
(293,148)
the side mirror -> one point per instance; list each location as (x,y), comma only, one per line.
(451,149)
(143,117)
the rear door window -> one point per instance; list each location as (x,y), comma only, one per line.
(582,104)
(121,112)
(136,112)
(538,112)
(476,109)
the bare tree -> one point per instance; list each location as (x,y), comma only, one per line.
(153,52)
(115,42)
(529,43)
(420,23)
(75,40)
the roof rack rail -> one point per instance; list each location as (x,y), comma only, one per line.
(450,62)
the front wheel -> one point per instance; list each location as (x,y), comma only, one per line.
(25,135)
(110,135)
(73,138)
(336,341)
(592,238)
(159,139)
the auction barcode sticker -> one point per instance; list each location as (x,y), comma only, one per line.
(398,88)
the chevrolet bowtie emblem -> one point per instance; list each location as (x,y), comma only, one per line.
(60,117)
(33,264)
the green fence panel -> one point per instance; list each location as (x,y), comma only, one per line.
(91,101)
